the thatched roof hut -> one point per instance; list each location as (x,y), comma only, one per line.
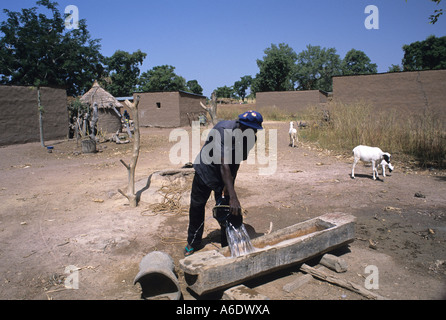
(108,108)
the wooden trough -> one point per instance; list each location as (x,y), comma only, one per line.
(213,270)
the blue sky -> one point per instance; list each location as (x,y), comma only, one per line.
(216,42)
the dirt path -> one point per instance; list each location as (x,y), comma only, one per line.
(62,209)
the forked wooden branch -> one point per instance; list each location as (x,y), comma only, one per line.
(212,109)
(131,195)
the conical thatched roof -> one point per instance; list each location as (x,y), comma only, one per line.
(101,97)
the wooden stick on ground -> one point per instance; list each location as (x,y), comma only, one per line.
(131,195)
(319,274)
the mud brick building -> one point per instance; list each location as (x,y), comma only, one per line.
(407,92)
(168,109)
(19,120)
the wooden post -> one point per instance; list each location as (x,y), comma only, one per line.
(94,121)
(334,263)
(212,109)
(130,195)
(40,108)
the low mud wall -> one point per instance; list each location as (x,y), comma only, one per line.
(19,121)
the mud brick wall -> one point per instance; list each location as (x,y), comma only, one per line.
(407,92)
(108,120)
(158,109)
(167,109)
(290,101)
(190,104)
(19,120)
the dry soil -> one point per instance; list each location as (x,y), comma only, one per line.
(63,209)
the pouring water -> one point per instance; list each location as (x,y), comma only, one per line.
(239,242)
(238,239)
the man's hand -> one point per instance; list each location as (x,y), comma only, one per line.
(234,206)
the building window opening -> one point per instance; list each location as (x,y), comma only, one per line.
(158,105)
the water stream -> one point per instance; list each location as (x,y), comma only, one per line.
(239,242)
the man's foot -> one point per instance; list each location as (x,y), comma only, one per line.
(188,250)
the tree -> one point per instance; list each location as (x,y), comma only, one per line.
(433,18)
(357,62)
(275,70)
(437,13)
(194,87)
(395,68)
(123,71)
(429,54)
(242,85)
(224,92)
(315,68)
(161,78)
(37,50)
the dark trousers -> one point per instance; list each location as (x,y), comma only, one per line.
(198,199)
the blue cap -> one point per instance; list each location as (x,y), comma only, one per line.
(252,119)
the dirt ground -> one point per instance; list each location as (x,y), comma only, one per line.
(62,209)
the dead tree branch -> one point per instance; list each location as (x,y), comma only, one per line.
(131,195)
(212,109)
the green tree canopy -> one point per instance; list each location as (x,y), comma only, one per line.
(395,68)
(437,13)
(429,54)
(312,69)
(276,69)
(315,67)
(433,18)
(242,85)
(36,49)
(357,62)
(224,92)
(123,72)
(161,78)
(194,87)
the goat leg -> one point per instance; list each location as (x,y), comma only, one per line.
(353,168)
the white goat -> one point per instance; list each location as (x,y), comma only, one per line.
(371,154)
(293,135)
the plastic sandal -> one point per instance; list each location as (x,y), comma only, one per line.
(188,250)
